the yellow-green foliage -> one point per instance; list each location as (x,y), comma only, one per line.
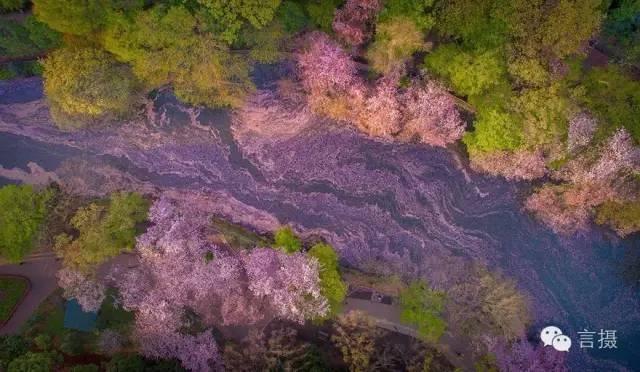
(528,72)
(395,41)
(624,218)
(569,24)
(470,73)
(544,114)
(331,284)
(103,231)
(286,240)
(494,130)
(78,17)
(168,46)
(22,213)
(88,83)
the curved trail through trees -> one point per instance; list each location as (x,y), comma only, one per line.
(391,207)
(41,271)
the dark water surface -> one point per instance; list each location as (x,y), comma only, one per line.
(408,207)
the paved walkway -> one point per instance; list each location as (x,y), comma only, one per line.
(41,270)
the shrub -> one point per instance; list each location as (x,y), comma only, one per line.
(286,240)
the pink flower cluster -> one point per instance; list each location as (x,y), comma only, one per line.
(227,289)
(85,290)
(423,111)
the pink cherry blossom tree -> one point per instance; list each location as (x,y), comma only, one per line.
(325,67)
(231,288)
(85,290)
(289,282)
(353,22)
(430,113)
(381,115)
(516,165)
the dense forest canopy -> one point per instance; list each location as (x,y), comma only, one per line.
(541,102)
(533,90)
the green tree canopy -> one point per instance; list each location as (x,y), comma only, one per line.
(614,97)
(226,17)
(418,11)
(423,307)
(33,362)
(170,46)
(331,284)
(544,116)
(621,26)
(286,240)
(292,16)
(87,83)
(22,213)
(478,23)
(26,38)
(470,73)
(104,231)
(321,12)
(77,17)
(11,5)
(494,130)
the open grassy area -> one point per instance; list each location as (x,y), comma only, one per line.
(12,290)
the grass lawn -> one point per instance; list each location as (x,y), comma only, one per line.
(11,292)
